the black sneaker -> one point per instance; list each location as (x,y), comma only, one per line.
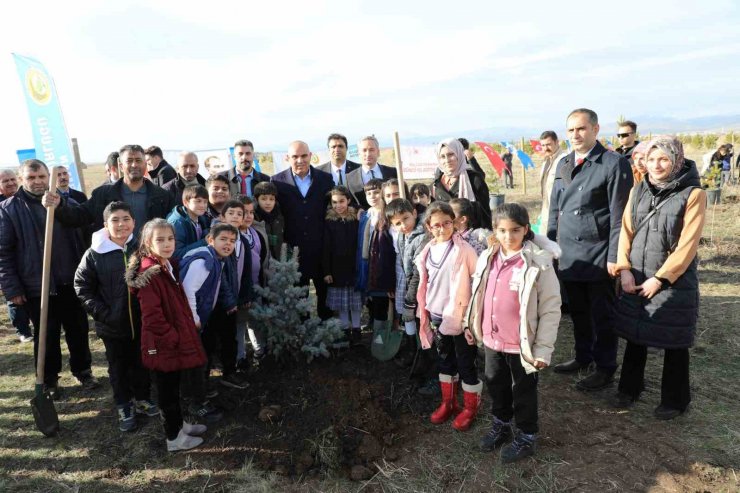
(206,412)
(665,413)
(55,391)
(522,446)
(235,381)
(499,433)
(596,381)
(622,400)
(88,381)
(430,388)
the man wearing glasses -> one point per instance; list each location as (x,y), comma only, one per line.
(627,133)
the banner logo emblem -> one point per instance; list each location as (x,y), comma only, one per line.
(38,86)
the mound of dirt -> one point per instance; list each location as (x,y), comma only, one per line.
(331,416)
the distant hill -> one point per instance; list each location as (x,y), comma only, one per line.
(646,123)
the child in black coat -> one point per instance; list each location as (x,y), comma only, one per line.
(340,250)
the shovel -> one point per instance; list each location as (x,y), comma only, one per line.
(386,341)
(42,406)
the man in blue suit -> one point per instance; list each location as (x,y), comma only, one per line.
(303,198)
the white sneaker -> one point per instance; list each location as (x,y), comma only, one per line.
(25,338)
(183,442)
(194,429)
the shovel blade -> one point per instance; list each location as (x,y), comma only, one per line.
(386,343)
(44,414)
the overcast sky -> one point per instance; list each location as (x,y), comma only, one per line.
(201,75)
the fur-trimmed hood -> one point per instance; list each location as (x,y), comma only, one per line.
(331,215)
(141,271)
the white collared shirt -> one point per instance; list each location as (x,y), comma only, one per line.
(336,171)
(367,173)
(584,156)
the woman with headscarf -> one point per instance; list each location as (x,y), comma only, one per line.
(458,180)
(657,264)
(638,162)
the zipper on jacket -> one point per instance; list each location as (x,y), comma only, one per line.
(128,294)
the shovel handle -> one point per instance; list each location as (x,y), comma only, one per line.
(45,283)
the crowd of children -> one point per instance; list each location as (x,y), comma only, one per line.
(174,306)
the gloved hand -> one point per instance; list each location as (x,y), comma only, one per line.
(409,312)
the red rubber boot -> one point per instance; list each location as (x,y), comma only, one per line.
(448,407)
(472,399)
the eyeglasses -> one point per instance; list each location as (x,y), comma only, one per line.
(624,136)
(438,226)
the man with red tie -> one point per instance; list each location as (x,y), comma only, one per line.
(244,177)
(589,194)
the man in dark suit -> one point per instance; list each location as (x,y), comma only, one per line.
(627,134)
(187,174)
(369,151)
(338,166)
(64,189)
(302,195)
(589,194)
(160,171)
(244,177)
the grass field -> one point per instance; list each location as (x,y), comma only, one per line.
(584,445)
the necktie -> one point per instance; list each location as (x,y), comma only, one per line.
(372,173)
(340,182)
(580,161)
(244,185)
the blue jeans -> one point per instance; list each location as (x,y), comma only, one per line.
(19,319)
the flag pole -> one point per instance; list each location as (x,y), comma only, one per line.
(78,163)
(399,167)
(524,169)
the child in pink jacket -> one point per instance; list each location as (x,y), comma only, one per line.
(445,267)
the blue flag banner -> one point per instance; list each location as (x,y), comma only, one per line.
(49,132)
(508,146)
(525,159)
(24,154)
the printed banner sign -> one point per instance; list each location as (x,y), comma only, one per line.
(50,137)
(419,162)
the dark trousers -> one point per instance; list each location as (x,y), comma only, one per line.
(456,356)
(675,392)
(193,385)
(19,318)
(128,378)
(508,178)
(592,311)
(513,391)
(221,331)
(379,307)
(168,392)
(322,310)
(65,312)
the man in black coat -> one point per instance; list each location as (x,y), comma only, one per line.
(338,166)
(303,198)
(627,134)
(588,197)
(74,196)
(187,174)
(147,200)
(22,224)
(369,151)
(160,171)
(244,177)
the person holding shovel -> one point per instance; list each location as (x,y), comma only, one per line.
(22,219)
